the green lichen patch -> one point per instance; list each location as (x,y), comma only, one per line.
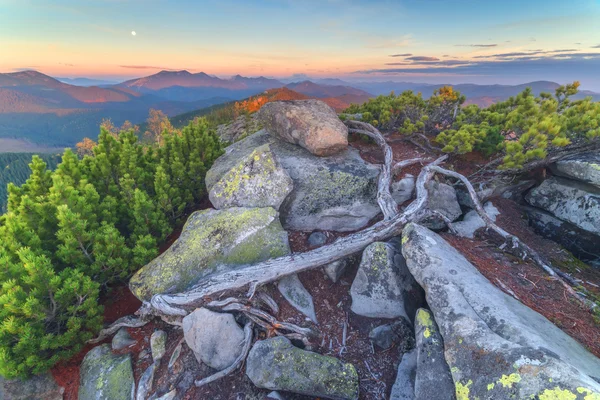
(211,239)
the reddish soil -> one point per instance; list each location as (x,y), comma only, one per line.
(527,282)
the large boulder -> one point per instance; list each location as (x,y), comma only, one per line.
(311,124)
(106,376)
(39,387)
(275,364)
(330,193)
(496,347)
(575,202)
(383,286)
(211,240)
(215,338)
(257,181)
(581,243)
(584,167)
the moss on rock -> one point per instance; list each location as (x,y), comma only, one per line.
(211,240)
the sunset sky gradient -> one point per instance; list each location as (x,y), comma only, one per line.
(453,41)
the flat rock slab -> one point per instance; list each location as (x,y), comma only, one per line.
(433,379)
(336,193)
(311,124)
(575,202)
(581,243)
(403,190)
(212,240)
(404,385)
(383,286)
(215,338)
(585,168)
(496,347)
(106,376)
(275,364)
(39,387)
(472,222)
(158,345)
(296,294)
(122,339)
(257,181)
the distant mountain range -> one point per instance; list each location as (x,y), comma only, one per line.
(59,112)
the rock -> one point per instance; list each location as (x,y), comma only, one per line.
(404,386)
(472,221)
(311,124)
(122,339)
(241,127)
(496,347)
(575,202)
(275,364)
(215,338)
(513,191)
(442,198)
(168,396)
(317,239)
(337,268)
(584,167)
(275,396)
(296,294)
(175,355)
(581,243)
(402,191)
(210,239)
(39,387)
(337,193)
(433,379)
(399,332)
(106,376)
(158,344)
(383,287)
(146,382)
(257,181)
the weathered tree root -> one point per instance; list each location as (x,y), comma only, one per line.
(517,246)
(128,321)
(237,363)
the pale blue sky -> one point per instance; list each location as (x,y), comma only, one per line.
(352,39)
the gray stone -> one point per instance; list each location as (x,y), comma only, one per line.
(146,382)
(311,124)
(472,221)
(433,379)
(403,190)
(106,376)
(404,386)
(575,202)
(211,240)
(442,198)
(168,396)
(585,167)
(215,338)
(496,347)
(581,243)
(275,364)
(39,387)
(241,127)
(257,181)
(337,268)
(122,339)
(397,333)
(317,239)
(296,294)
(275,395)
(383,287)
(336,193)
(158,344)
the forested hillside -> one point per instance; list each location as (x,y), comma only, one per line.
(14,168)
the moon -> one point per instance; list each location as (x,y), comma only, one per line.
(133,33)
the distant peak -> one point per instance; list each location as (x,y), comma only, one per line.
(167,72)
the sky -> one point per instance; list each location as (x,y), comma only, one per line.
(433,41)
